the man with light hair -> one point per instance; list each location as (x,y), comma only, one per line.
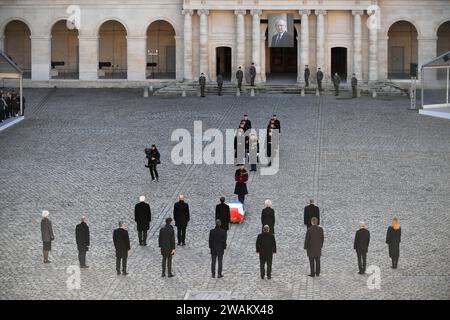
(361,245)
(47,235)
(282,38)
(83,241)
(313,244)
(142,216)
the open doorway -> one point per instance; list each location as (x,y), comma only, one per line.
(339,62)
(223,62)
(282,62)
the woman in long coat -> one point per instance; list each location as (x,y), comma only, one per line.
(393,238)
(47,235)
(268,216)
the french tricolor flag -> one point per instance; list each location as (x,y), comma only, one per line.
(236,211)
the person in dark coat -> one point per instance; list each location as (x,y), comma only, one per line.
(247,123)
(122,244)
(336,82)
(313,244)
(182,217)
(266,246)
(319,79)
(239,77)
(142,216)
(217,244)
(252,72)
(223,214)
(219,83)
(202,82)
(276,122)
(166,241)
(47,235)
(83,241)
(269,142)
(268,216)
(2,107)
(361,245)
(393,238)
(354,83)
(307,73)
(241,177)
(153,157)
(310,212)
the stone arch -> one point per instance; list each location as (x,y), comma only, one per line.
(161,50)
(402,49)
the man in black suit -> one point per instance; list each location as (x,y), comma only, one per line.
(122,244)
(82,238)
(310,212)
(266,246)
(252,72)
(361,245)
(182,217)
(142,216)
(313,244)
(166,242)
(282,38)
(223,214)
(217,244)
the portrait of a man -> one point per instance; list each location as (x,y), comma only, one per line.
(282,36)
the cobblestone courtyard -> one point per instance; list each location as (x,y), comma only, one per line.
(80,152)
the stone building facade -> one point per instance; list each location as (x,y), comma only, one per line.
(103,42)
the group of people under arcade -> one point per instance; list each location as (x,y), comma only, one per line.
(10,105)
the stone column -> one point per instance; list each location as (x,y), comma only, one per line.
(2,41)
(88,59)
(256,42)
(383,58)
(240,39)
(203,13)
(179,57)
(136,57)
(357,45)
(320,41)
(187,44)
(263,52)
(40,57)
(426,51)
(373,49)
(304,44)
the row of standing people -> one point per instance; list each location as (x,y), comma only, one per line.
(10,105)
(265,243)
(239,79)
(336,79)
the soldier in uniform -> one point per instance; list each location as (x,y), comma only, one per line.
(354,85)
(202,82)
(336,83)
(239,77)
(307,73)
(319,79)
(247,123)
(220,83)
(252,72)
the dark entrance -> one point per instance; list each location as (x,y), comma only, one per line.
(283,62)
(223,62)
(339,62)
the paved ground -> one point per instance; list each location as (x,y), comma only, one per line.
(81,152)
